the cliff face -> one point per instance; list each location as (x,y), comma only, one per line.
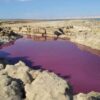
(19,82)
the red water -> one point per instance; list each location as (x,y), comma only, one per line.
(81,67)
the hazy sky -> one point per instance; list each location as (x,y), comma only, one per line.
(37,9)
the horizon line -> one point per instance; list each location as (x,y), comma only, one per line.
(36,19)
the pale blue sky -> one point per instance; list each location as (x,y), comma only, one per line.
(38,9)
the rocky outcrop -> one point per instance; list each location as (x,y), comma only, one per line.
(10,89)
(46,86)
(36,84)
(19,82)
(90,96)
(19,71)
(7,35)
(85,32)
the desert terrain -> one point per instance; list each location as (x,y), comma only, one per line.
(85,32)
(21,82)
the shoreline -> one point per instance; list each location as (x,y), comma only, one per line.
(85,32)
(33,80)
(39,38)
(14,60)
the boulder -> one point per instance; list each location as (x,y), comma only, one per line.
(19,71)
(19,82)
(90,96)
(10,89)
(1,66)
(80,96)
(46,86)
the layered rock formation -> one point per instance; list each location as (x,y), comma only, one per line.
(19,82)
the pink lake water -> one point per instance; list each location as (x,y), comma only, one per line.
(79,66)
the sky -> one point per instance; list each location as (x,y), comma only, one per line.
(48,9)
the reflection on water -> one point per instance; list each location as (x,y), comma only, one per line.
(7,44)
(44,38)
(82,68)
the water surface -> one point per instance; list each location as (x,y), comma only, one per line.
(81,67)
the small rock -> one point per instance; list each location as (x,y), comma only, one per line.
(90,96)
(19,71)
(1,66)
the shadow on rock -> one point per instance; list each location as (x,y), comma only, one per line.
(69,91)
(95,98)
(21,87)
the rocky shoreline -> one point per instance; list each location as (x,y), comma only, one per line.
(7,36)
(85,32)
(19,82)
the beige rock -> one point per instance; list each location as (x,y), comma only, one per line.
(1,66)
(90,96)
(19,71)
(47,86)
(18,81)
(9,88)
(80,96)
(93,96)
(85,32)
(35,73)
